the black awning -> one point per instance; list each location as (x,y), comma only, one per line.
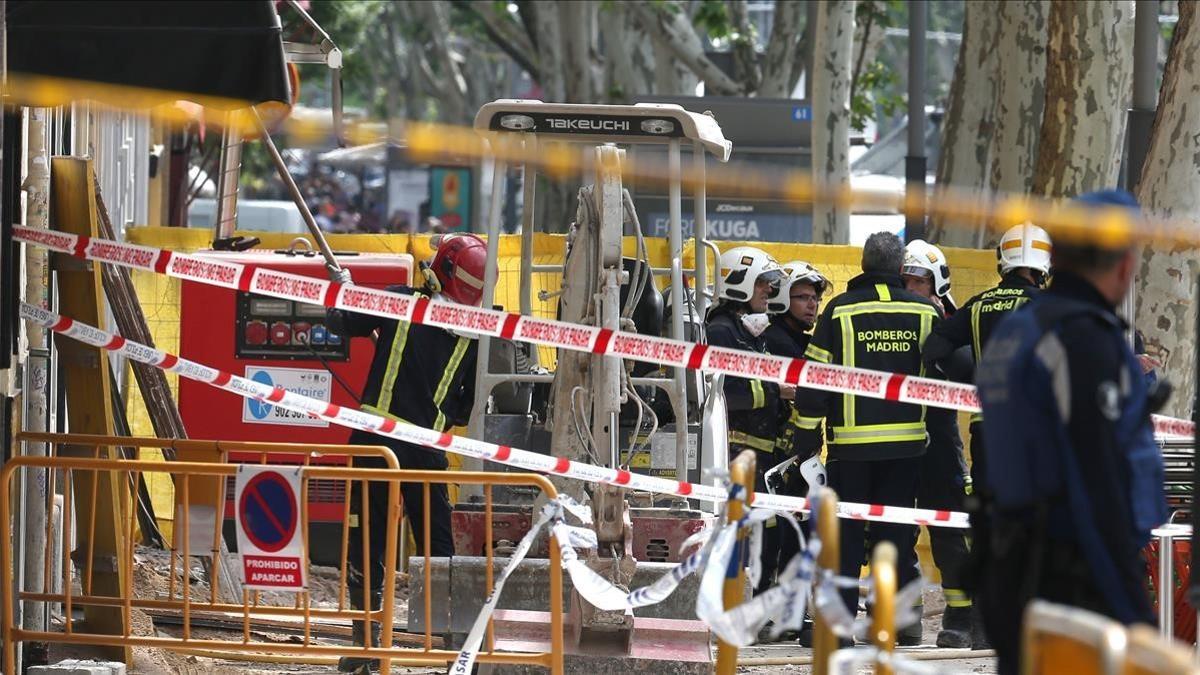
(214,49)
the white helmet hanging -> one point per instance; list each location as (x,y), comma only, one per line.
(742,267)
(1025,245)
(796,270)
(923,259)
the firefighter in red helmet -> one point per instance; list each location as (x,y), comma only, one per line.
(425,376)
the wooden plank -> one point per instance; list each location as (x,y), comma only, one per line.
(89,410)
(160,403)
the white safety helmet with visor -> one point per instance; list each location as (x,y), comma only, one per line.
(744,266)
(796,271)
(923,259)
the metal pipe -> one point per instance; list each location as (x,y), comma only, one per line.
(1145,54)
(700,226)
(229,170)
(528,198)
(678,304)
(1145,90)
(1140,120)
(915,655)
(36,415)
(483,362)
(606,374)
(914,163)
(331,263)
(1166,585)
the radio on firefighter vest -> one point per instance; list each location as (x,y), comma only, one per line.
(277,342)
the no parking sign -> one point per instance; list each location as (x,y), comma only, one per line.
(270,538)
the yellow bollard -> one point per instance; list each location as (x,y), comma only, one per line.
(883,616)
(828,530)
(741,472)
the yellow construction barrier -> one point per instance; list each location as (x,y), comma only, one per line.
(883,613)
(1061,639)
(197,484)
(1149,653)
(825,643)
(741,472)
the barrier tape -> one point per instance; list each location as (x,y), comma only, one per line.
(463,664)
(502,454)
(596,589)
(547,332)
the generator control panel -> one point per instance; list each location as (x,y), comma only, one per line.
(272,328)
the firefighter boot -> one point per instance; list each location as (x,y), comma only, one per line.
(956,628)
(359,635)
(910,635)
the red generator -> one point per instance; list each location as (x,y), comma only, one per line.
(284,343)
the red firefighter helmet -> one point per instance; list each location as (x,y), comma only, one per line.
(458,266)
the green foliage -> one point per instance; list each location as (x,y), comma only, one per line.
(875,85)
(877,93)
(712,17)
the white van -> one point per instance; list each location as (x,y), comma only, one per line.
(259,215)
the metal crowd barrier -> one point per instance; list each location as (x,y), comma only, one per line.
(1060,639)
(205,483)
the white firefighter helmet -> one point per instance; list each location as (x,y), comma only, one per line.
(742,267)
(1025,245)
(795,271)
(923,259)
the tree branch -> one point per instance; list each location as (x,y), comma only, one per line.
(506,34)
(678,35)
(781,55)
(745,58)
(862,53)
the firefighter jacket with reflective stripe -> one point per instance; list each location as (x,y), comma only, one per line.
(972,326)
(420,374)
(1064,397)
(784,338)
(875,324)
(753,405)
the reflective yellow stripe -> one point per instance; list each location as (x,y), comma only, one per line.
(884,294)
(460,348)
(808,422)
(393,366)
(976,417)
(975,312)
(848,353)
(383,413)
(926,329)
(879,433)
(887,307)
(763,444)
(815,353)
(760,397)
(956,597)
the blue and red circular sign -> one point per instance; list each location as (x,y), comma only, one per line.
(269,511)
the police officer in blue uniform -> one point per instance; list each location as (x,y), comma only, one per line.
(1074,470)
